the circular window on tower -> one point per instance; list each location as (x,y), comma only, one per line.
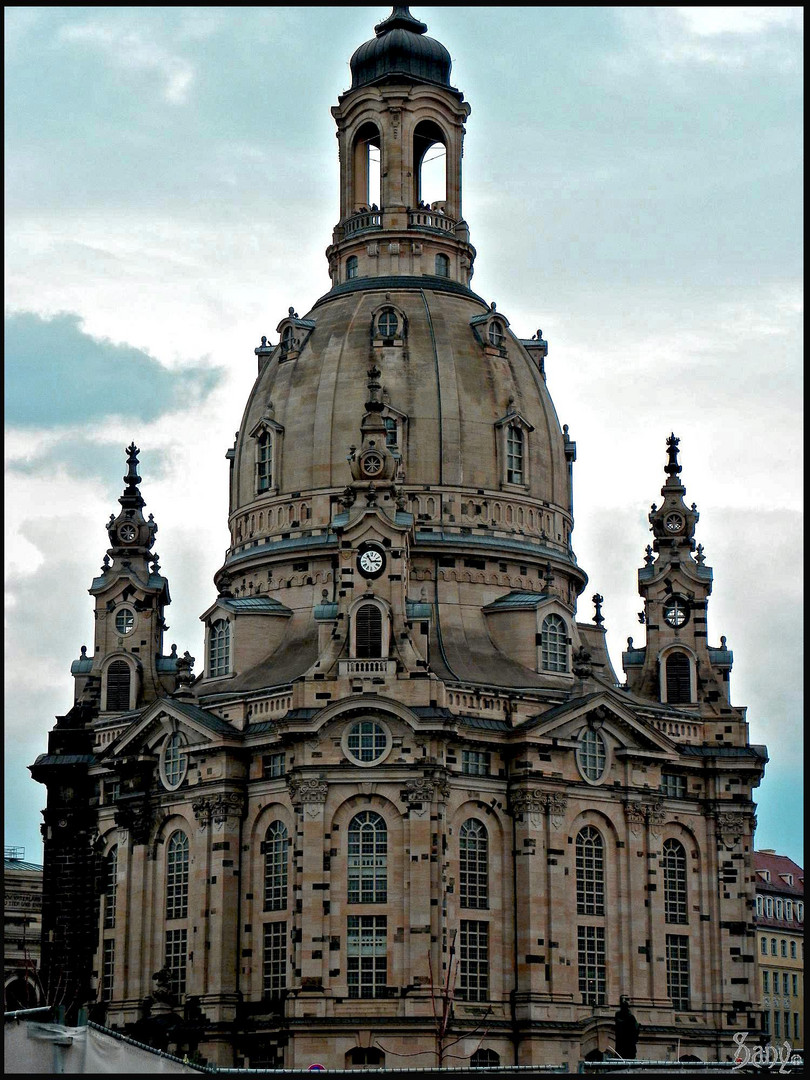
(592,755)
(125,620)
(366,742)
(676,611)
(173,761)
(372,463)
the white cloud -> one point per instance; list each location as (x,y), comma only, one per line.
(132,49)
(710,21)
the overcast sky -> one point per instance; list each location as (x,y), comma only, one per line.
(633,186)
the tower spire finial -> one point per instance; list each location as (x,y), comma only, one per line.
(672,467)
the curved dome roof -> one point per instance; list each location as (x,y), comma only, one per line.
(401,48)
(452,390)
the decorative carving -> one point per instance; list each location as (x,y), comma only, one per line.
(639,814)
(217,809)
(307,791)
(730,827)
(425,789)
(536,802)
(581,665)
(134,816)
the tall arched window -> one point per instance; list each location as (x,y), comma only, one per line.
(351,267)
(110,887)
(473,845)
(554,644)
(590,859)
(276,858)
(264,461)
(368,859)
(442,265)
(679,685)
(287,339)
(368,632)
(514,454)
(219,648)
(119,677)
(674,860)
(177,876)
(391,433)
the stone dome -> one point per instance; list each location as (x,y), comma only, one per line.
(439,374)
(400,48)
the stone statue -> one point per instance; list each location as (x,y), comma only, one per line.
(627,1029)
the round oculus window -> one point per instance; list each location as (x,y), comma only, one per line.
(676,612)
(372,464)
(124,620)
(366,742)
(127,533)
(673,523)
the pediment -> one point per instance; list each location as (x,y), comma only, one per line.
(617,719)
(165,715)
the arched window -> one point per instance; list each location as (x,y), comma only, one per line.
(442,265)
(276,848)
(674,860)
(110,887)
(679,684)
(430,160)
(368,1057)
(219,648)
(514,455)
(473,845)
(368,632)
(119,678)
(264,461)
(779,909)
(554,644)
(485,1059)
(351,267)
(177,876)
(173,760)
(592,754)
(495,334)
(287,339)
(387,323)
(769,907)
(368,859)
(590,860)
(760,907)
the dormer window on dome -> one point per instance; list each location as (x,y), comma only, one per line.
(389,326)
(490,331)
(268,442)
(512,436)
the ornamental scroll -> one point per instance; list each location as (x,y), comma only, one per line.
(307,791)
(730,827)
(639,814)
(216,809)
(535,803)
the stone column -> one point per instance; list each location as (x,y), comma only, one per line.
(425,922)
(538,816)
(220,819)
(310,932)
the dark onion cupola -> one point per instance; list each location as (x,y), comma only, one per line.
(401,48)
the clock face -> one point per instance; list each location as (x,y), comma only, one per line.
(673,523)
(127,533)
(372,464)
(676,611)
(371,562)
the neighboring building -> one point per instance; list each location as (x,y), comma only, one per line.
(780,947)
(406,808)
(23,931)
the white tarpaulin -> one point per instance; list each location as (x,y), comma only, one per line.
(53,1048)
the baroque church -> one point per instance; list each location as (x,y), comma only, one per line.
(407,813)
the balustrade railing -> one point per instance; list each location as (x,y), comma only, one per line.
(430,219)
(361,222)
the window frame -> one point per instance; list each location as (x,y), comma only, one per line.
(589,858)
(554,644)
(675,871)
(473,865)
(584,755)
(276,869)
(219,648)
(367,859)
